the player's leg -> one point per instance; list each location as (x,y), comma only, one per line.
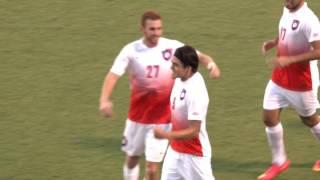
(315,87)
(306,104)
(131,168)
(152,170)
(155,151)
(273,101)
(171,165)
(133,145)
(195,167)
(274,132)
(314,123)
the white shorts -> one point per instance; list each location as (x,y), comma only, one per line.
(276,97)
(139,138)
(181,166)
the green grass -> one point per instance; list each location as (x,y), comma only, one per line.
(54,56)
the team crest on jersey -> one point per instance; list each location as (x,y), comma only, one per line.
(295,24)
(166,54)
(183,94)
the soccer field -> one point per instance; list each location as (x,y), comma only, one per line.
(53,59)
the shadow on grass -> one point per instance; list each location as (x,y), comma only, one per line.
(250,167)
(103,144)
(227,165)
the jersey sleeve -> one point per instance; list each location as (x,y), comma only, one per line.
(197,104)
(121,62)
(312,29)
(178,43)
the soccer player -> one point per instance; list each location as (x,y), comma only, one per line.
(298,43)
(147,61)
(189,154)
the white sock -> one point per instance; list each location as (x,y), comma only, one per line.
(131,174)
(316,131)
(275,139)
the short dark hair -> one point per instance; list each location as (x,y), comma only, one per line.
(188,56)
(149,15)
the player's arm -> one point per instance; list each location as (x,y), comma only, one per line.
(108,85)
(267,45)
(188,133)
(208,62)
(313,54)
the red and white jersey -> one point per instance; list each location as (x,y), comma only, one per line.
(189,102)
(150,79)
(296,32)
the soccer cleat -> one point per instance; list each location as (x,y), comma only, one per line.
(316,166)
(274,170)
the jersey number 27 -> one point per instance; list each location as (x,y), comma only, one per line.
(152,71)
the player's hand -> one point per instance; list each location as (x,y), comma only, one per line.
(281,61)
(106,108)
(214,72)
(266,46)
(159,133)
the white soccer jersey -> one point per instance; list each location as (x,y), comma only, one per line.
(150,79)
(296,31)
(189,101)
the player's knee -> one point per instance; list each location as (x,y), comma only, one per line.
(132,161)
(310,121)
(152,169)
(269,123)
(270,118)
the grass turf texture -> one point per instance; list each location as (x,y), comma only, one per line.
(55,54)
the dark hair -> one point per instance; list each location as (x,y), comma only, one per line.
(188,56)
(151,15)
